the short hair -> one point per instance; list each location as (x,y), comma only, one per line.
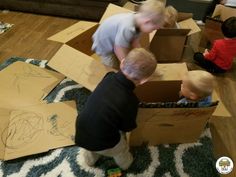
(171,15)
(228,27)
(152,8)
(200,82)
(139,64)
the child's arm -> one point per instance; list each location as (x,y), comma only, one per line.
(211,55)
(120,52)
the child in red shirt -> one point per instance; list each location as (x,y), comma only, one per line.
(220,58)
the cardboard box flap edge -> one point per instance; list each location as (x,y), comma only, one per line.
(189,24)
(172,32)
(79,67)
(72,31)
(220,110)
(113,9)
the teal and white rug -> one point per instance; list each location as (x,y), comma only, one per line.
(176,160)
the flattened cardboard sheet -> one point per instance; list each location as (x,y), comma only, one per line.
(36,129)
(72,31)
(24,84)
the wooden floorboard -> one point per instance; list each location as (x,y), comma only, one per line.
(28,38)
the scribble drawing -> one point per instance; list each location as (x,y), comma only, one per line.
(28,72)
(59,127)
(23,129)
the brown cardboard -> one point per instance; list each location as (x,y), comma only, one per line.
(168,44)
(72,31)
(113,10)
(167,125)
(79,67)
(189,24)
(26,84)
(36,129)
(212,31)
(224,12)
(183,16)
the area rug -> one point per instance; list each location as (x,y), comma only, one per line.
(175,160)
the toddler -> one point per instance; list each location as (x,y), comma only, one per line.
(111,109)
(119,33)
(220,58)
(197,86)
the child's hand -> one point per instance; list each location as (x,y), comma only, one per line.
(206,52)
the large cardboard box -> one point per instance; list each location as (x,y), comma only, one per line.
(168,44)
(167,125)
(79,64)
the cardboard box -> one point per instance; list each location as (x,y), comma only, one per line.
(167,125)
(212,31)
(168,44)
(84,69)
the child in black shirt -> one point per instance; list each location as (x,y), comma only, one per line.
(111,109)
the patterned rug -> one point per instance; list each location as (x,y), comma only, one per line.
(176,160)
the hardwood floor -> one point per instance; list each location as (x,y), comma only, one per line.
(28,38)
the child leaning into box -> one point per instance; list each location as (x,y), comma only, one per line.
(111,109)
(220,58)
(120,33)
(197,86)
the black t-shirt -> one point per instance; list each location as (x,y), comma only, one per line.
(111,108)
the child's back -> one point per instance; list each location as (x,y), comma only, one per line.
(220,58)
(118,34)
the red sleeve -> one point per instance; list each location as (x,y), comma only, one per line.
(213,52)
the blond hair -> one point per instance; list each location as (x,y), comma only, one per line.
(139,64)
(200,82)
(152,8)
(171,15)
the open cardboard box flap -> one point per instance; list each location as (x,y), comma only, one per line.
(113,10)
(72,31)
